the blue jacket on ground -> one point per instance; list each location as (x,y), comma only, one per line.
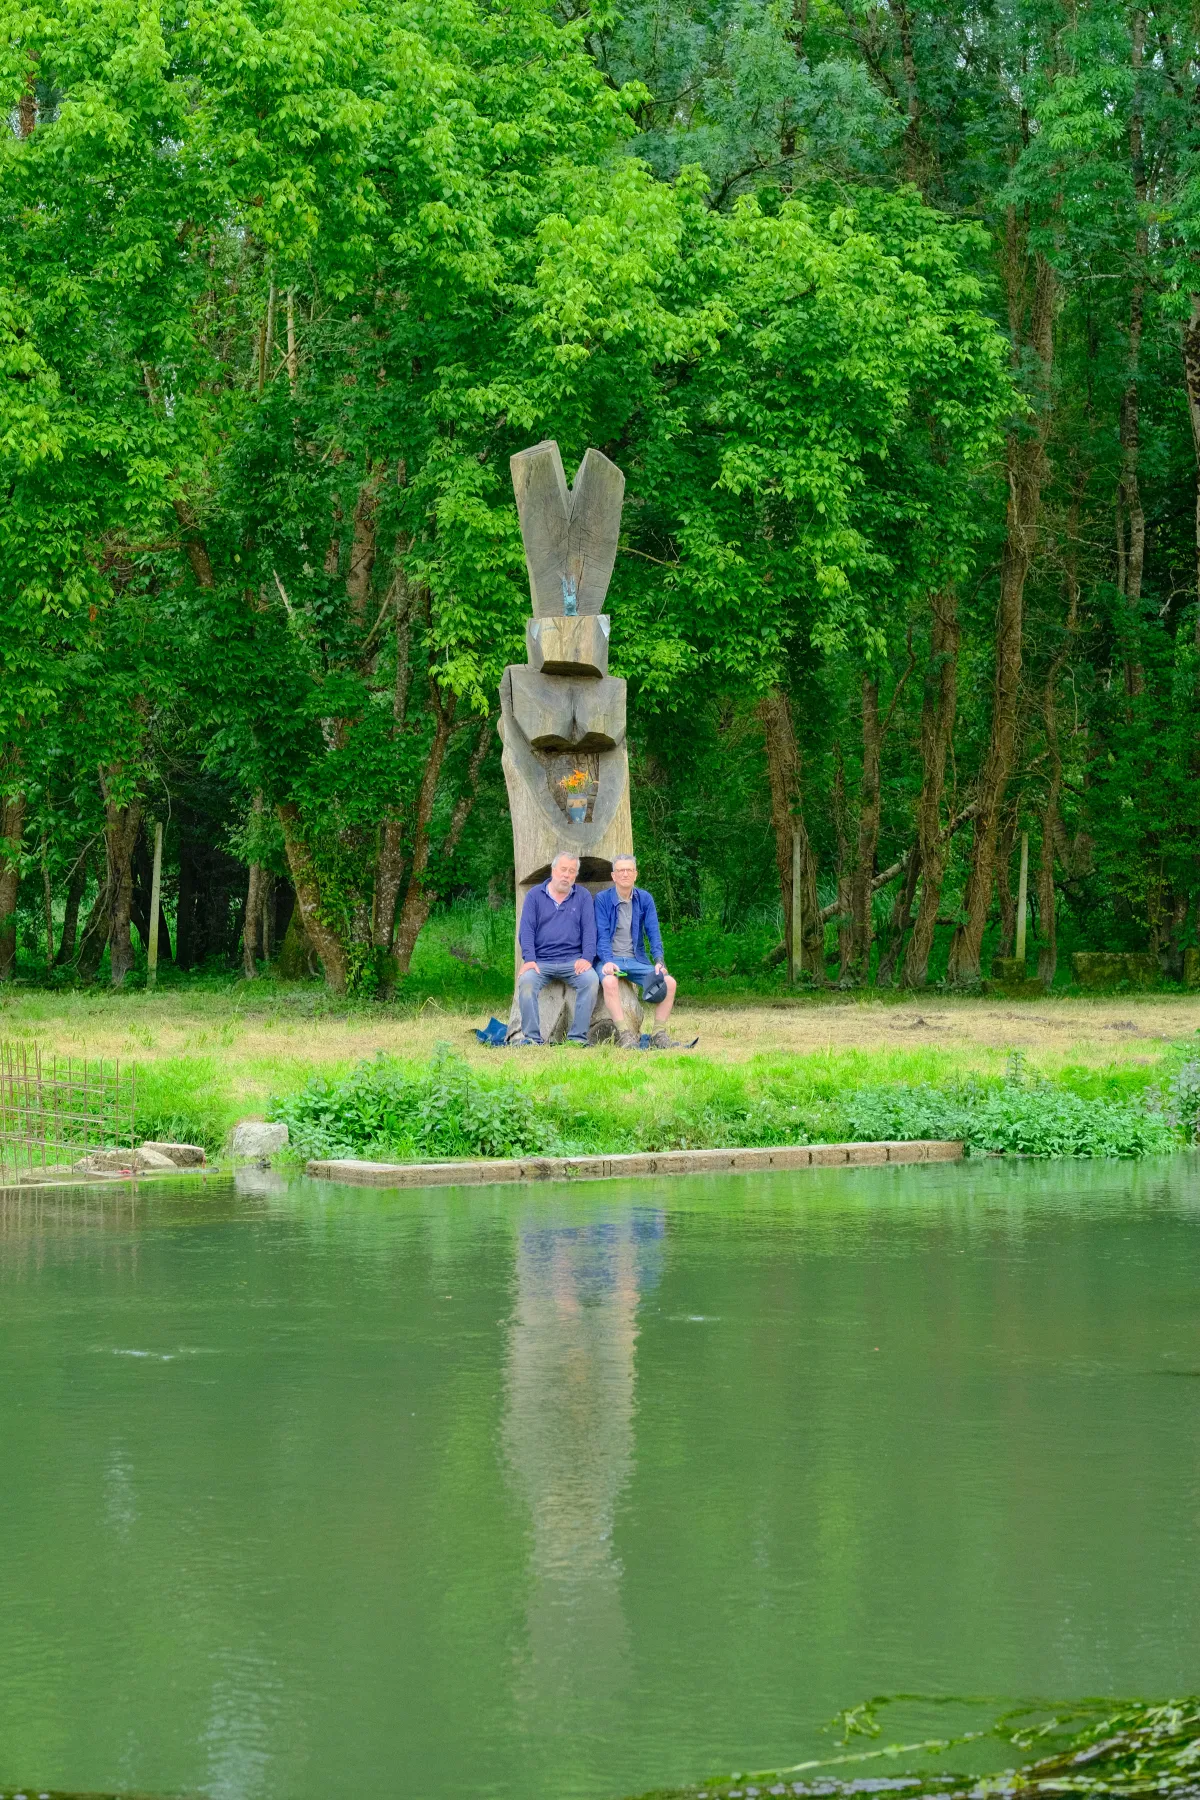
(644,922)
(558,934)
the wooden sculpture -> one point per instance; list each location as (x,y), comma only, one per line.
(562,715)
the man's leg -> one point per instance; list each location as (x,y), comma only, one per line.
(662,1011)
(587,987)
(612,1000)
(529,986)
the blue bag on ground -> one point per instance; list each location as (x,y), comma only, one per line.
(494,1034)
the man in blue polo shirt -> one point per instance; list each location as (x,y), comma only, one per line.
(558,943)
(626,923)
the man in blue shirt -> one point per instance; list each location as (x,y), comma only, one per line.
(626,922)
(558,943)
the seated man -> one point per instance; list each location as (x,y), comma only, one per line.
(626,921)
(558,943)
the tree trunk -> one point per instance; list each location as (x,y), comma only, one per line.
(121,827)
(1004,894)
(252,922)
(194,545)
(95,930)
(938,708)
(12,824)
(841,824)
(1191,372)
(389,867)
(308,898)
(420,895)
(787,820)
(862,878)
(902,907)
(76,883)
(1025,463)
(1130,509)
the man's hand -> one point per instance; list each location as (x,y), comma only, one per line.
(660,968)
(525,968)
(582,965)
(610,969)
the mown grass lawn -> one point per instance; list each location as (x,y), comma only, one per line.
(211,1051)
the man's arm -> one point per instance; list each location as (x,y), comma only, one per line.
(527,936)
(650,926)
(602,912)
(587,923)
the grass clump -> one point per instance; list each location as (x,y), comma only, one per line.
(1097,1747)
(384,1112)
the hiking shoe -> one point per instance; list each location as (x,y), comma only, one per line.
(662,1040)
(526,1043)
(628,1040)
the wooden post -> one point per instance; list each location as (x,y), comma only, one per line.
(155,892)
(797,909)
(1022,896)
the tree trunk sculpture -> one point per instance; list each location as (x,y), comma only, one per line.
(562,715)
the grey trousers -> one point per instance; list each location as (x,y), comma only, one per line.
(530,985)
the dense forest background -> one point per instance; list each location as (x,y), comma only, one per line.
(891,315)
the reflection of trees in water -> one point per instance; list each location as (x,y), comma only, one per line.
(568,1435)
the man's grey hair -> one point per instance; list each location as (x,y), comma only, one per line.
(624,856)
(563,856)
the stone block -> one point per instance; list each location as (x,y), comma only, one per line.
(254,1140)
(830,1155)
(944,1150)
(1191,968)
(145,1161)
(576,646)
(184,1156)
(858,1154)
(1008,968)
(1111,968)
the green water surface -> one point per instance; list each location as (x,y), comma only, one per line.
(560,1493)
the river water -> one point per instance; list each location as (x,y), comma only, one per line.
(563,1493)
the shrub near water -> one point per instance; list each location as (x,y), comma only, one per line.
(381,1110)
(1019,1116)
(384,1109)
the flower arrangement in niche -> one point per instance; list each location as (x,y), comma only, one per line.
(576,791)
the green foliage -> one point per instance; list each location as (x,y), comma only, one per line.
(380,1110)
(1088,1747)
(1017,1116)
(386,1110)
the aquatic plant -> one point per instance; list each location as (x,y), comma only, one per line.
(1089,1747)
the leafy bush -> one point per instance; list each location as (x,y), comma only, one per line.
(1181,1101)
(381,1110)
(1017,1116)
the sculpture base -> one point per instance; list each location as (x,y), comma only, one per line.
(555,1004)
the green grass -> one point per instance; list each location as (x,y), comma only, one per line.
(391,1109)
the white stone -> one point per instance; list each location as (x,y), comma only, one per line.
(254,1139)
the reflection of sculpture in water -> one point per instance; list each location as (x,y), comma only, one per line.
(562,715)
(568,1435)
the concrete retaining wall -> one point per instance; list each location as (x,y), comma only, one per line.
(611,1168)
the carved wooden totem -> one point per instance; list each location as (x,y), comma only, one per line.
(562,715)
